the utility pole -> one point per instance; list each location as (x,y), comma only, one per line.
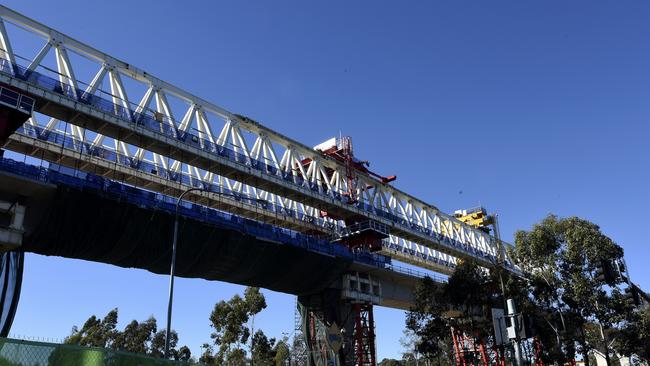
(604,338)
(501,254)
(512,313)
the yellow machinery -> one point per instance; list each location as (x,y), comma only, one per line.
(476,217)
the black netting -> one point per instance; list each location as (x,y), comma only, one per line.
(88,226)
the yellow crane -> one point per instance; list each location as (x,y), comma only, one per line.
(477,217)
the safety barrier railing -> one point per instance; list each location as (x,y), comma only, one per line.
(420,274)
(396,248)
(16,100)
(149,122)
(362,226)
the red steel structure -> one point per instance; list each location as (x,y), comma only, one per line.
(364,335)
(473,350)
(538,352)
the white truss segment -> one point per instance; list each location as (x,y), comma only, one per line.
(40,56)
(143,106)
(239,143)
(66,73)
(165,115)
(97,80)
(205,132)
(6,52)
(67,77)
(187,118)
(118,92)
(324,172)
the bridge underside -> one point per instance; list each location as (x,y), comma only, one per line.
(90,222)
(82,225)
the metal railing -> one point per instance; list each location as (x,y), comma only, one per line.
(419,274)
(16,100)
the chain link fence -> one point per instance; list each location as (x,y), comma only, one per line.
(14,352)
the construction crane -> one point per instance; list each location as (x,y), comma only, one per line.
(359,232)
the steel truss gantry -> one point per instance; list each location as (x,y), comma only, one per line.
(243,156)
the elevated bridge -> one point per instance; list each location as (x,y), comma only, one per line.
(85,216)
(271,212)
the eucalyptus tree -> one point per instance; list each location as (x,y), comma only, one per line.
(232,323)
(561,257)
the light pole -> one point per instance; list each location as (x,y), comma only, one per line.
(173,265)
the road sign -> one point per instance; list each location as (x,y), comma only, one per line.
(334,338)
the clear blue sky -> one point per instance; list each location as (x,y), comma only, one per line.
(527,107)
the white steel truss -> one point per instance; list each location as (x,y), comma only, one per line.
(251,143)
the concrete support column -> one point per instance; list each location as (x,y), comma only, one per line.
(328,327)
(11,225)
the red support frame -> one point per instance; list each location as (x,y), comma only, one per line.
(459,344)
(364,335)
(499,357)
(484,356)
(471,349)
(538,352)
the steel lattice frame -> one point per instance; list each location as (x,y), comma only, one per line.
(365,352)
(418,229)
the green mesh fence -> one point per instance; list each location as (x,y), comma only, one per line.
(15,352)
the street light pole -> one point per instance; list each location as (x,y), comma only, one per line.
(172,270)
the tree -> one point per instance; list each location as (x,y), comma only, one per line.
(262,352)
(410,342)
(390,362)
(230,319)
(425,318)
(561,257)
(235,357)
(137,337)
(255,302)
(463,302)
(95,332)
(634,337)
(282,352)
(184,354)
(207,357)
(574,309)
(157,348)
